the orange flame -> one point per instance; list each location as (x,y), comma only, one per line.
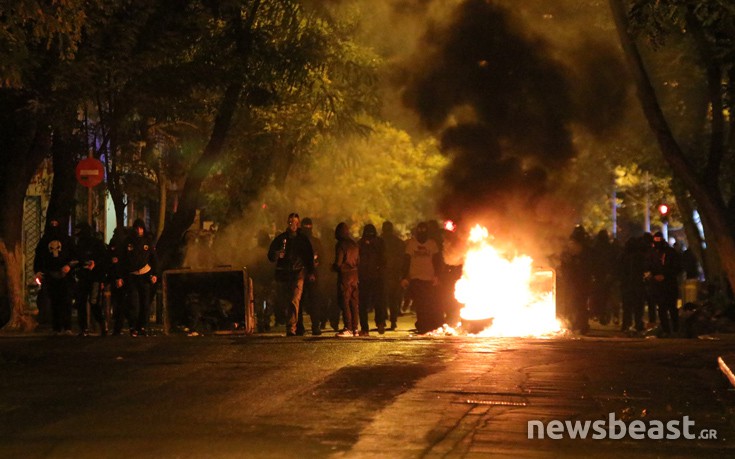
(519,299)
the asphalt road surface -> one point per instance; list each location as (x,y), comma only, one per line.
(395,396)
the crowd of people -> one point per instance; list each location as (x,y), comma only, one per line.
(74,272)
(379,274)
(637,286)
(375,274)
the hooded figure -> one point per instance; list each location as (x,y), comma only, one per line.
(55,257)
(313,300)
(346,263)
(395,250)
(92,254)
(55,251)
(372,264)
(664,266)
(93,266)
(140,267)
(423,261)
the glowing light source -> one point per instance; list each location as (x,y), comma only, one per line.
(518,298)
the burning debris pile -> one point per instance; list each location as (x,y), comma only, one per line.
(503,296)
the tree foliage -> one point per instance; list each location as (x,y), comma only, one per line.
(702,31)
(384,176)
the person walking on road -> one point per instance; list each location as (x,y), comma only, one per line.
(395,250)
(422,267)
(93,267)
(664,267)
(293,255)
(346,263)
(372,263)
(54,260)
(140,267)
(312,300)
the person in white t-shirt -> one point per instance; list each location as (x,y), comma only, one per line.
(420,277)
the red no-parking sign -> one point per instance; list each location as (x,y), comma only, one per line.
(90,172)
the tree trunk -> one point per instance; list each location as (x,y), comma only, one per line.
(170,243)
(24,142)
(690,228)
(64,182)
(711,207)
(20,319)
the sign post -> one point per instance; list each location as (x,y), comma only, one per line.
(90,172)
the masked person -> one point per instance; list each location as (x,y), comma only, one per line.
(632,286)
(140,267)
(395,250)
(121,310)
(292,253)
(372,264)
(313,300)
(664,267)
(346,263)
(93,265)
(422,266)
(55,257)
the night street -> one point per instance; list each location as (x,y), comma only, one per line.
(389,396)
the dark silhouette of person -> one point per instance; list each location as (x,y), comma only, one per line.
(632,284)
(664,266)
(55,257)
(346,264)
(93,266)
(372,264)
(312,300)
(294,258)
(140,269)
(650,303)
(395,250)
(575,279)
(121,310)
(603,263)
(422,267)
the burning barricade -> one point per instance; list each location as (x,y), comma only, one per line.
(503,295)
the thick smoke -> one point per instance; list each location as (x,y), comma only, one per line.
(505,105)
(507,86)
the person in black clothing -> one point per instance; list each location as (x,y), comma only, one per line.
(346,263)
(632,286)
(312,300)
(93,265)
(140,268)
(55,257)
(372,264)
(603,264)
(395,250)
(293,255)
(449,275)
(121,310)
(664,266)
(651,304)
(575,280)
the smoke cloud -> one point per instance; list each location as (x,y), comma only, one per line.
(505,103)
(512,89)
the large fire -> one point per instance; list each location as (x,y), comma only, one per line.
(506,293)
